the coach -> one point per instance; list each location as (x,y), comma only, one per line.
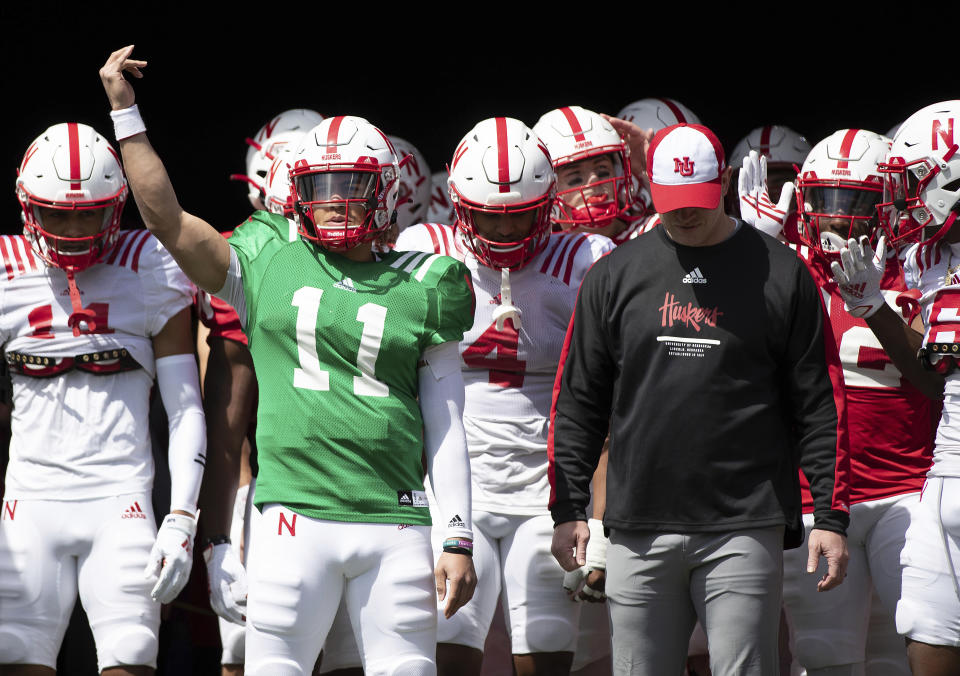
(701,347)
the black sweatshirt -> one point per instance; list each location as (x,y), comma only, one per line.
(709,366)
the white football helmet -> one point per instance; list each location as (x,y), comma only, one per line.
(782,146)
(657,113)
(922,175)
(264,146)
(441,208)
(415,184)
(71,168)
(574,135)
(276,184)
(345,179)
(840,182)
(501,167)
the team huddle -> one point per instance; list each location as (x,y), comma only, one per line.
(429,399)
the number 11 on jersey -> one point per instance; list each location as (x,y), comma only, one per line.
(309,375)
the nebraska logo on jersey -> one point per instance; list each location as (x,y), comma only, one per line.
(684,168)
(133,512)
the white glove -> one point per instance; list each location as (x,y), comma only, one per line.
(228,582)
(859,275)
(171,557)
(755,205)
(574,581)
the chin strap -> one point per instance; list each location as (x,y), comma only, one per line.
(82,320)
(507,309)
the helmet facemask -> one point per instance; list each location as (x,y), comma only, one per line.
(903,213)
(598,203)
(498,254)
(343,206)
(829,206)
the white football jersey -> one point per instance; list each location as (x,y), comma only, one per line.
(929,269)
(509,374)
(80,435)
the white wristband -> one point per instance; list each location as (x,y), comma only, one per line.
(127,122)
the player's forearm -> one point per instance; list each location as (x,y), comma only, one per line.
(228,402)
(180,392)
(198,248)
(901,343)
(445,442)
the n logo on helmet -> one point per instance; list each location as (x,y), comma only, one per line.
(946,135)
(684,167)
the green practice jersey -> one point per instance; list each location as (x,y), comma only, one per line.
(336,345)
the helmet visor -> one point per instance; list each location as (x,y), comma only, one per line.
(338,186)
(841,201)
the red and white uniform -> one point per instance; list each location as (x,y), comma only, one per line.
(929,608)
(890,427)
(82,435)
(77,512)
(508,376)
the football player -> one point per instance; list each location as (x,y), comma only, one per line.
(595,188)
(503,186)
(355,355)
(89,316)
(890,420)
(922,201)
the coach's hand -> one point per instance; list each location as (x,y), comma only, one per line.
(172,556)
(570,544)
(587,583)
(833,547)
(119,90)
(456,581)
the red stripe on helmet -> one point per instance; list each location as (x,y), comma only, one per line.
(503,154)
(574,124)
(765,140)
(673,109)
(845,146)
(332,134)
(73,140)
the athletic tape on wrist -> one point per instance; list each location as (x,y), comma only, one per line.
(127,122)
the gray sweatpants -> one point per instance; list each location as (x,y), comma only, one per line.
(658,584)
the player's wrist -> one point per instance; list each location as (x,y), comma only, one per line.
(127,122)
(214,540)
(458,545)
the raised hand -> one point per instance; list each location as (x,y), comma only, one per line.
(119,90)
(755,205)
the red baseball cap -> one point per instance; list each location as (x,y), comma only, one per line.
(684,164)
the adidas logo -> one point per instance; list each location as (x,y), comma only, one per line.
(456,522)
(404,498)
(133,512)
(694,277)
(346,284)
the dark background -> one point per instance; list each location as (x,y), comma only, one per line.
(216,75)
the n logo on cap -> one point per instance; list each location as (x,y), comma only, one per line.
(684,168)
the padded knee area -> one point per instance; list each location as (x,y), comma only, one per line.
(130,645)
(275,666)
(232,639)
(13,646)
(408,665)
(546,634)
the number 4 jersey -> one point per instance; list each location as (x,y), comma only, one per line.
(336,344)
(509,373)
(79,418)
